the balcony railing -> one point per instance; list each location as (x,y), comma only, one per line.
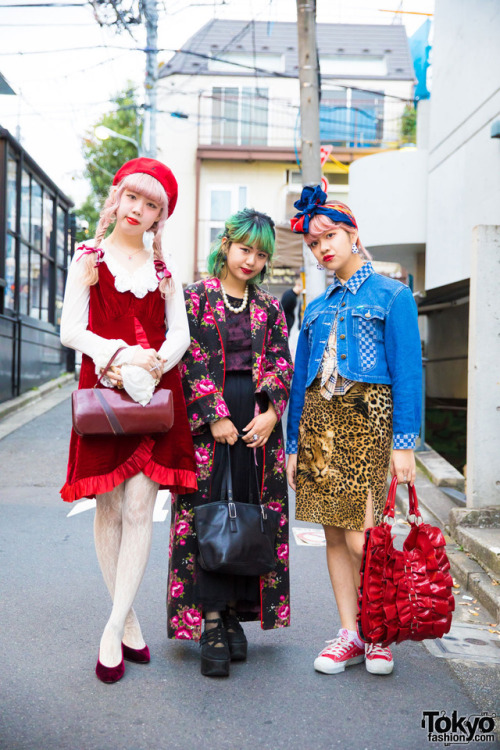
(348,119)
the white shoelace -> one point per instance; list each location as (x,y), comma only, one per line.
(375,649)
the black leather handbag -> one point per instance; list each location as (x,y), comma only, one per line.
(236,537)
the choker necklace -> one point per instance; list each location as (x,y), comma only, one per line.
(229,306)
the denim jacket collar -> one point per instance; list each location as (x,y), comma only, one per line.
(355,281)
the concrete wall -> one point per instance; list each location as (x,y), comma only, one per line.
(464,161)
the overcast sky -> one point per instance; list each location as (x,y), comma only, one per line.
(64,67)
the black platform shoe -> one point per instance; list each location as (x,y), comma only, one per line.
(215,659)
(236,637)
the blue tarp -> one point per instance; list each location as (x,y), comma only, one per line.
(420,48)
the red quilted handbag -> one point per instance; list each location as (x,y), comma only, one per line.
(404,595)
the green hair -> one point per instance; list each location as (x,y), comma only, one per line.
(249,227)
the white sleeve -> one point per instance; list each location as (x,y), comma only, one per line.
(178,338)
(75,318)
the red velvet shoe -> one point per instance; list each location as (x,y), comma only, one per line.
(110,674)
(137,655)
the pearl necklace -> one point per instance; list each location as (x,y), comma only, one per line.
(229,306)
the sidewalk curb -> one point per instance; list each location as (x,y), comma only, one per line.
(463,566)
(7,408)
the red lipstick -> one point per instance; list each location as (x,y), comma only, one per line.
(327,258)
(134,222)
(247,271)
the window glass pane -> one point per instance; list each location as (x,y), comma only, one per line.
(36,214)
(25,206)
(48,207)
(35,285)
(59,295)
(11,194)
(220,205)
(254,111)
(242,197)
(60,236)
(24,279)
(10,272)
(230,115)
(47,266)
(217,115)
(214,231)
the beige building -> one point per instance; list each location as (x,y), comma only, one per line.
(229,123)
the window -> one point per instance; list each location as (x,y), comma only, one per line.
(240,116)
(351,118)
(37,243)
(223,200)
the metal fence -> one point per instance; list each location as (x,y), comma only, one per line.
(352,118)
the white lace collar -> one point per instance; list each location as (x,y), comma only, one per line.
(139,281)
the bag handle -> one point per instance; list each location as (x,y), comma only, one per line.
(227,482)
(105,369)
(414,516)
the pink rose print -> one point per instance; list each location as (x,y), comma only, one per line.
(283,551)
(275,506)
(282,519)
(280,456)
(182,527)
(206,387)
(201,455)
(283,612)
(175,621)
(195,417)
(197,354)
(220,307)
(221,410)
(195,301)
(260,315)
(282,363)
(208,318)
(183,634)
(182,369)
(275,303)
(177,589)
(212,283)
(192,618)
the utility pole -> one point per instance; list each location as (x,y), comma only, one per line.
(149,127)
(309,125)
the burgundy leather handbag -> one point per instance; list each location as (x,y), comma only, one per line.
(107,411)
(404,595)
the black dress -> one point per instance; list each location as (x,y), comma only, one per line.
(215,590)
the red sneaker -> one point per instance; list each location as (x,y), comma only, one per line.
(339,654)
(378,659)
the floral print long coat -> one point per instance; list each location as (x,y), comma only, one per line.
(203,374)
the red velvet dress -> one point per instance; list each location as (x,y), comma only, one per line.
(97,464)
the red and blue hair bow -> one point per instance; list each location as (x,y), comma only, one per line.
(313,202)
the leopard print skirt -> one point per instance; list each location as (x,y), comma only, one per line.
(344,451)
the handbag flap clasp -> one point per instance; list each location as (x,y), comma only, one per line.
(232,510)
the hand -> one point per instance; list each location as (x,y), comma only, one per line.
(224,431)
(291,470)
(150,360)
(261,425)
(114,375)
(403,466)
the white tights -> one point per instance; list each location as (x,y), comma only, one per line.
(123,529)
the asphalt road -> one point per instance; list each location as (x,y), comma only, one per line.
(54,606)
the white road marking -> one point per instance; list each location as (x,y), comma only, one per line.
(309,537)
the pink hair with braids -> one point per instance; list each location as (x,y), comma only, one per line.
(321,223)
(143,184)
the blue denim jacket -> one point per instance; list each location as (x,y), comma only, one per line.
(378,341)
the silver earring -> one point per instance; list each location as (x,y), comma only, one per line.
(320,267)
(354,248)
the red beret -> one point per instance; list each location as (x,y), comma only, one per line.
(157,170)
